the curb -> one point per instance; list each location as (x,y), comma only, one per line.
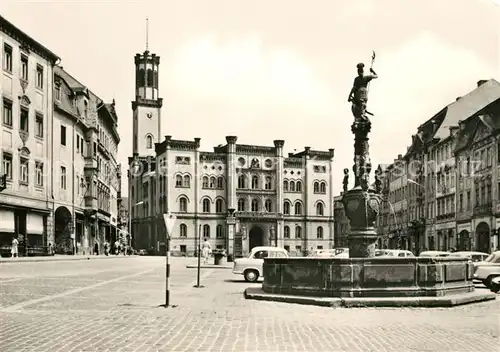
(257,293)
(57,259)
(209,266)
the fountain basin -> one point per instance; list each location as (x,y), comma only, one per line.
(402,281)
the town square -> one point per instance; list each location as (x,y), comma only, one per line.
(185,176)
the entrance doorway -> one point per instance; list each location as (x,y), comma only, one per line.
(255,237)
(483,237)
(63,222)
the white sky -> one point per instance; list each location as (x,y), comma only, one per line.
(281,69)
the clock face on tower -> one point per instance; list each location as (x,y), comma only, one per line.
(149,115)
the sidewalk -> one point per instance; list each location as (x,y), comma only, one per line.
(61,258)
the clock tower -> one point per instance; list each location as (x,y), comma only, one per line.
(147,105)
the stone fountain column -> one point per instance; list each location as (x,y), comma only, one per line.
(361,203)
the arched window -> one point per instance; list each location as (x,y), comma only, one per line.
(255,205)
(286,208)
(219,231)
(220,182)
(255,182)
(213,182)
(241,205)
(242,181)
(186,181)
(268,183)
(316,187)
(322,187)
(205,182)
(183,204)
(150,78)
(178,181)
(269,205)
(298,232)
(140,78)
(206,205)
(285,185)
(298,208)
(319,209)
(286,232)
(298,186)
(149,142)
(292,186)
(319,233)
(218,206)
(183,230)
(206,231)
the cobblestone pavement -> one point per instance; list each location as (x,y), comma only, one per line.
(112,305)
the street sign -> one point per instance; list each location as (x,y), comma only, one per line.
(169,219)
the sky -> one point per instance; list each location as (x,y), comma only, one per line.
(280,69)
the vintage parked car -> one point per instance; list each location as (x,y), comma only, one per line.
(488,271)
(331,253)
(473,256)
(430,254)
(251,266)
(401,253)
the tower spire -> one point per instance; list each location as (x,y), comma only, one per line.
(147,33)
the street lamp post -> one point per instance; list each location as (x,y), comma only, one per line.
(199,258)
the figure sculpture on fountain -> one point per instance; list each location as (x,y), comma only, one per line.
(361,203)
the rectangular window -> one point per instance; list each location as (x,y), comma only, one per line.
(7,113)
(24,171)
(78,143)
(461,202)
(39,126)
(24,120)
(468,200)
(24,67)
(7,57)
(39,174)
(7,165)
(95,149)
(39,76)
(57,92)
(63,177)
(63,135)
(81,145)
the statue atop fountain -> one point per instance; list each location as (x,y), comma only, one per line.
(362,202)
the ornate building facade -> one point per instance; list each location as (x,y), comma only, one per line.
(25,139)
(85,184)
(451,179)
(238,196)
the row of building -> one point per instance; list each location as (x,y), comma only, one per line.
(443,193)
(59,144)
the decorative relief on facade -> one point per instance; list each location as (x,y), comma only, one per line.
(255,163)
(268,163)
(319,168)
(183,160)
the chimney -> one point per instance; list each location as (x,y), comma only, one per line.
(481,82)
(400,156)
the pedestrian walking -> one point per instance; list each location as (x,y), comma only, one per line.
(96,248)
(14,248)
(206,250)
(117,247)
(106,248)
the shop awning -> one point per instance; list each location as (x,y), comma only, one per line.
(34,224)
(7,222)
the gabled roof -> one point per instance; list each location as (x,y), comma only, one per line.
(70,80)
(468,105)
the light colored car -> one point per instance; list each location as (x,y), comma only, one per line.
(473,256)
(488,269)
(431,254)
(251,266)
(331,253)
(401,253)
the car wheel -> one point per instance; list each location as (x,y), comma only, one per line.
(251,275)
(492,286)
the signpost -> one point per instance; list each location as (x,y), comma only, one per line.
(169,220)
(199,259)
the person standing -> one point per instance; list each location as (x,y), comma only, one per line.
(96,249)
(14,249)
(206,249)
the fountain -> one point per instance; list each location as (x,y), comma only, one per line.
(363,279)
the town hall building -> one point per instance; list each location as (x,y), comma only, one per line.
(238,196)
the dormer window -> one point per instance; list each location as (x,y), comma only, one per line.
(85,109)
(57,92)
